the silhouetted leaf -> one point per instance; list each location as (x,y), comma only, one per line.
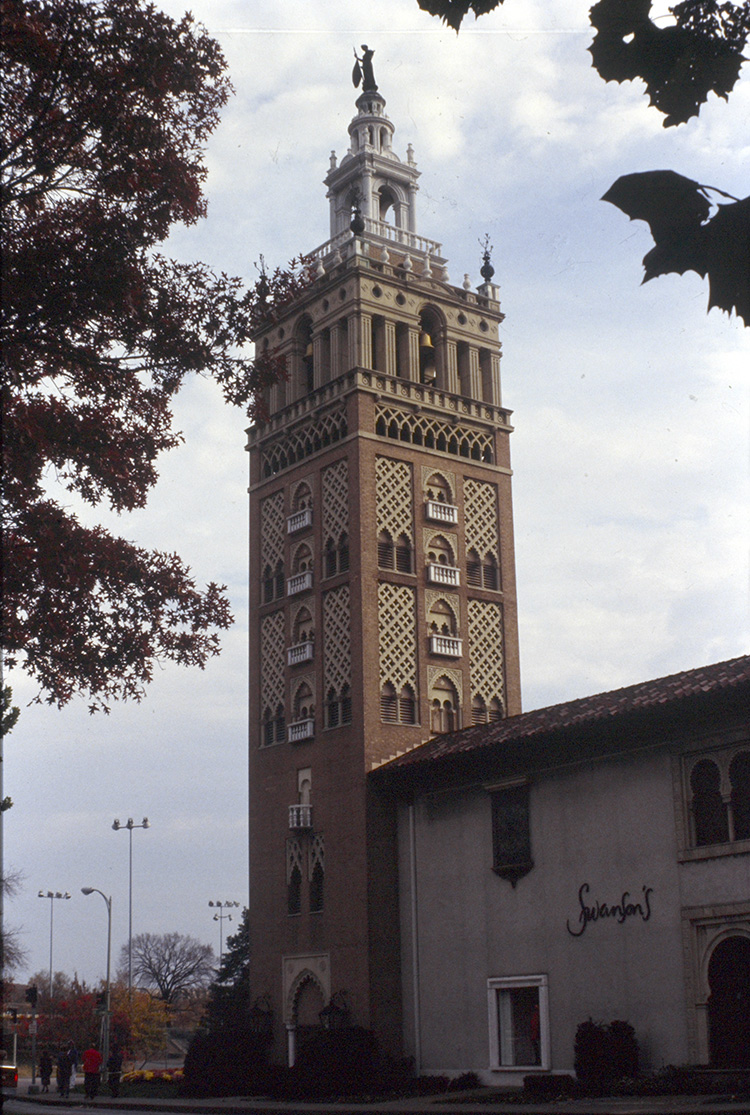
(685,239)
(681,63)
(453,11)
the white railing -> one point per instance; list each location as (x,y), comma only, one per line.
(301,729)
(300,652)
(410,241)
(443,574)
(446,645)
(299,520)
(300,582)
(441,512)
(300,816)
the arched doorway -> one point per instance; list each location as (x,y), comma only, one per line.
(308,1005)
(729,1003)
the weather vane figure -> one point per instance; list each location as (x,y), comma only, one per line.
(363,71)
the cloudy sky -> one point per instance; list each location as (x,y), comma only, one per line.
(630,408)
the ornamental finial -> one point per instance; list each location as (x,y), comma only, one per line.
(486,270)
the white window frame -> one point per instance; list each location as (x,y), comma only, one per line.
(499,1061)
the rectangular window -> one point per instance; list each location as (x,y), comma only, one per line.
(511,832)
(519,1022)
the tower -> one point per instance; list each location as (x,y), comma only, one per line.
(382,580)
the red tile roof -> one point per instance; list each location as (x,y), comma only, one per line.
(663,699)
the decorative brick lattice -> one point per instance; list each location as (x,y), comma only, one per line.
(293,857)
(316,854)
(304,441)
(336,500)
(272,530)
(337,651)
(398,636)
(486,669)
(393,489)
(421,429)
(480,508)
(272,661)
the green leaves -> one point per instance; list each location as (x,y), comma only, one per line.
(680,63)
(687,238)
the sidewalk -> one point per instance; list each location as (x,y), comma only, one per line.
(444,1104)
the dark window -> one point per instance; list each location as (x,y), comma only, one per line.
(316,888)
(344,553)
(511,833)
(489,570)
(404,562)
(294,891)
(346,705)
(388,704)
(330,558)
(739,779)
(332,709)
(280,724)
(709,811)
(385,550)
(268,585)
(407,706)
(279,579)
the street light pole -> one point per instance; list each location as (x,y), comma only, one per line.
(130,825)
(52,895)
(220,918)
(107,985)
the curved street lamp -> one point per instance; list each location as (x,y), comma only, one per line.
(52,895)
(107,1001)
(130,825)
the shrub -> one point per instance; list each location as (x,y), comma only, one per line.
(604,1053)
(549,1087)
(226,1063)
(336,1062)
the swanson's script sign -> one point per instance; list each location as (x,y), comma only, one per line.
(620,911)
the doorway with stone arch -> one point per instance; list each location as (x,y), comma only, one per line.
(729,1003)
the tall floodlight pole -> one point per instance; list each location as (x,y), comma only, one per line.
(130,825)
(107,985)
(52,895)
(222,906)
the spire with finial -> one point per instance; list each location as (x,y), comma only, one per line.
(486,270)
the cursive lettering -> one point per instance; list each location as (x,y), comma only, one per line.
(620,911)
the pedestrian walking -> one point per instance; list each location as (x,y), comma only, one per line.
(45,1069)
(63,1073)
(92,1063)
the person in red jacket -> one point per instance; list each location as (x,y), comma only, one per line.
(92,1063)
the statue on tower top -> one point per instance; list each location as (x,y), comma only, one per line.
(363,70)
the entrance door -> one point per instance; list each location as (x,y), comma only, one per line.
(729,1003)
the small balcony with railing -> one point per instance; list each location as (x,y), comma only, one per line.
(300,817)
(438,574)
(438,512)
(300,652)
(447,646)
(300,582)
(301,730)
(300,520)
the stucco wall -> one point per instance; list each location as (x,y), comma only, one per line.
(608,825)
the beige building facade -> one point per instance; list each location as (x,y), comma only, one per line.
(589,860)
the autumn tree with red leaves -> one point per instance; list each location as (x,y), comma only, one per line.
(106,109)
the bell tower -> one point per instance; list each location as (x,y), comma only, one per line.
(382,579)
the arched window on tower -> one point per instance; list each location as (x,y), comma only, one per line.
(444,706)
(739,780)
(709,811)
(385,550)
(404,555)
